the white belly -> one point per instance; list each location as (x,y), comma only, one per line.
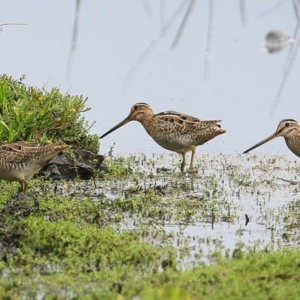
(26,173)
(175,145)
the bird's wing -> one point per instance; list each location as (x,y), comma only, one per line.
(183,123)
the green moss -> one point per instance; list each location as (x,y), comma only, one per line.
(257,276)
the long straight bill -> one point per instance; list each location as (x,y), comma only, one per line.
(271,137)
(125,121)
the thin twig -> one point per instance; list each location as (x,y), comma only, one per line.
(74,38)
(208,39)
(12,24)
(162,14)
(295,35)
(149,48)
(293,182)
(283,81)
(275,7)
(182,25)
(147,8)
(243,12)
(287,70)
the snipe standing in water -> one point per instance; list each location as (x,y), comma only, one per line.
(290,130)
(172,130)
(21,160)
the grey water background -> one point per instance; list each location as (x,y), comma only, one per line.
(240,89)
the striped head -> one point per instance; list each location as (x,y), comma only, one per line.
(139,112)
(286,128)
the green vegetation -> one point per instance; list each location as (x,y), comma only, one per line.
(143,230)
(112,239)
(256,276)
(33,114)
(58,247)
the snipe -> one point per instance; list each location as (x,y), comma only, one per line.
(21,160)
(290,130)
(172,130)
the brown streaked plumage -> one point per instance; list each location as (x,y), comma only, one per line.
(290,130)
(172,130)
(21,160)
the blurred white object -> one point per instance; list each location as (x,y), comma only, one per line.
(276,40)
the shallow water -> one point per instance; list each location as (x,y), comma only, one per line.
(206,213)
(265,198)
(242,83)
(240,89)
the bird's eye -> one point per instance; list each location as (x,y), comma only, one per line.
(287,124)
(136,107)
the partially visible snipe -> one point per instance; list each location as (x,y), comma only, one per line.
(172,130)
(21,160)
(290,130)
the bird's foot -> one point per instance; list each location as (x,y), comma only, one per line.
(192,171)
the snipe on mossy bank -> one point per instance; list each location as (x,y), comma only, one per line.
(172,130)
(20,161)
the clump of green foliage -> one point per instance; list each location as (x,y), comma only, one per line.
(32,114)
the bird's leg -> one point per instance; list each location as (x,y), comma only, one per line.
(21,189)
(191,168)
(25,186)
(21,192)
(183,162)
